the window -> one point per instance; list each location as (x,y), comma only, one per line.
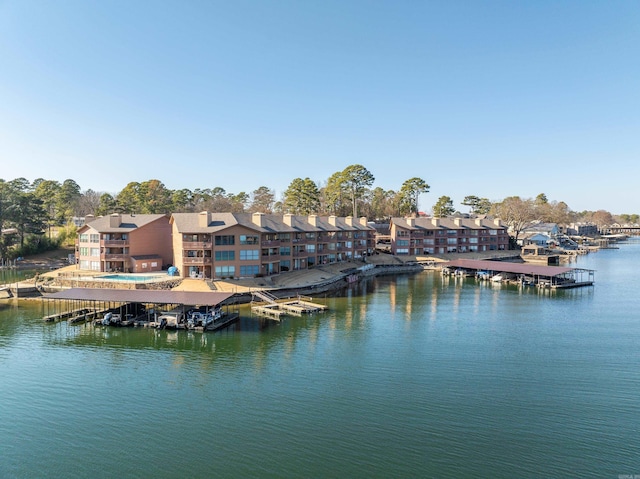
(249,254)
(249,239)
(310,236)
(84,238)
(84,264)
(94,238)
(285,265)
(452,240)
(84,251)
(249,270)
(224,240)
(225,271)
(285,251)
(402,243)
(225,255)
(285,236)
(95,265)
(402,251)
(94,252)
(311,248)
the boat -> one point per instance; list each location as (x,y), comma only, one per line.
(497,278)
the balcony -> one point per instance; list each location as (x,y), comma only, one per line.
(114,243)
(114,257)
(197,245)
(270,242)
(196,260)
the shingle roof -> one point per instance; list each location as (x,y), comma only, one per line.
(271,223)
(126,223)
(447,223)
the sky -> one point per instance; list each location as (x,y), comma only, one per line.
(485,98)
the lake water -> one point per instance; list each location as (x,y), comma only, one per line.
(404,377)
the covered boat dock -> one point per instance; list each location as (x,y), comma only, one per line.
(543,276)
(81,304)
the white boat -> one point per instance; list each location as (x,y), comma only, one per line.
(496,278)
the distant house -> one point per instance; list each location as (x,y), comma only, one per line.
(240,245)
(583,229)
(539,239)
(125,243)
(419,236)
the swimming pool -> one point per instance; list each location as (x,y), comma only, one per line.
(130,277)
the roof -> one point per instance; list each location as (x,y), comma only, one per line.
(127,223)
(507,267)
(209,298)
(447,223)
(271,223)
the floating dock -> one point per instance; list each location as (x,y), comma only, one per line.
(274,308)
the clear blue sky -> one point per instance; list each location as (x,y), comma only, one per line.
(485,98)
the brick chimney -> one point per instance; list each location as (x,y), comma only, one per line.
(349,220)
(332,220)
(115,220)
(313,220)
(435,221)
(258,219)
(204,218)
(287,219)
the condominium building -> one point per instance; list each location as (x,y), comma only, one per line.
(420,236)
(124,243)
(240,245)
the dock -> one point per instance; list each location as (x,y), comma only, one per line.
(555,277)
(273,308)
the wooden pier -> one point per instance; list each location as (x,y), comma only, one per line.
(274,308)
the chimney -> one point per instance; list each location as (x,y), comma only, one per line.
(313,220)
(363,221)
(115,220)
(411,221)
(457,221)
(258,219)
(349,220)
(497,222)
(478,221)
(332,220)
(287,219)
(204,219)
(89,219)
(435,221)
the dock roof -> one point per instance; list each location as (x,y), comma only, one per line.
(208,298)
(507,267)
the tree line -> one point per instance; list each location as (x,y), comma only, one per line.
(31,209)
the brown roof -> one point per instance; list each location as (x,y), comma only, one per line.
(271,223)
(127,223)
(507,267)
(209,298)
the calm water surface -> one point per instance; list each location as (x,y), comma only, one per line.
(409,376)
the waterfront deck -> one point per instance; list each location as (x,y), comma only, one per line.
(273,308)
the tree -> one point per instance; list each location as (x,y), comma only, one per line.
(262,200)
(154,197)
(478,206)
(182,201)
(47,192)
(128,200)
(67,201)
(409,193)
(444,207)
(602,218)
(355,180)
(88,203)
(106,205)
(516,213)
(302,197)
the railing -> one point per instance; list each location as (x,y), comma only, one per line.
(114,257)
(116,243)
(197,245)
(271,243)
(196,260)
